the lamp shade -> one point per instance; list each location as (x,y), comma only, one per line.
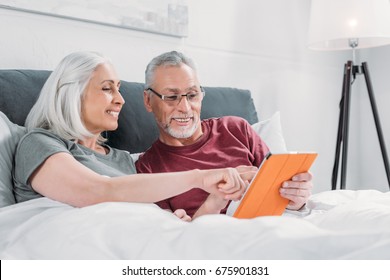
(334,22)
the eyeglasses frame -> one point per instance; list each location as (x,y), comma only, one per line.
(163,96)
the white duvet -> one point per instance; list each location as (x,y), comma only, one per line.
(334,225)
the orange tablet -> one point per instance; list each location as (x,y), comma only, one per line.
(262,196)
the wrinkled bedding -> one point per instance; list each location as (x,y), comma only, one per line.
(338,224)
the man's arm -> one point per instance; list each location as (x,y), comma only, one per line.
(212,205)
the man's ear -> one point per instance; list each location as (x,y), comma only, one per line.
(147,102)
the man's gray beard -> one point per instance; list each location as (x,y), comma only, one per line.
(182,133)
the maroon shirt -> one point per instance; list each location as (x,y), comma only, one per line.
(226,142)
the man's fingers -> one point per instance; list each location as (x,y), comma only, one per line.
(297,185)
(181,214)
(295,192)
(306,176)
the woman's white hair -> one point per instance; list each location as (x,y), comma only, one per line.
(58,108)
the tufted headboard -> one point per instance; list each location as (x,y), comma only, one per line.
(137,130)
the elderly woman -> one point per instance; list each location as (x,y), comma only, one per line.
(63,156)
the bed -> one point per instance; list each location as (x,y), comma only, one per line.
(341,224)
(334,225)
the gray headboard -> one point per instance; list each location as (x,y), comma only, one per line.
(137,130)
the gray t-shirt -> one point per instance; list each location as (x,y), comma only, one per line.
(39,144)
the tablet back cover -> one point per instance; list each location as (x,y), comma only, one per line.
(262,197)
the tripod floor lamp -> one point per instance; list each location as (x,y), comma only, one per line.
(351,25)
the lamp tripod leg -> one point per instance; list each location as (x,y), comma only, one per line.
(376,119)
(343,126)
(347,97)
(339,136)
(338,146)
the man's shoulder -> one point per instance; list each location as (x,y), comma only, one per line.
(228,122)
(143,162)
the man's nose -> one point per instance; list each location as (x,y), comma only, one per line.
(184,104)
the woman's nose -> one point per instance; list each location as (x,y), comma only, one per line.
(118,98)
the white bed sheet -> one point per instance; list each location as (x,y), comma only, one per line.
(335,225)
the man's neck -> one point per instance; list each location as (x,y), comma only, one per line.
(173,141)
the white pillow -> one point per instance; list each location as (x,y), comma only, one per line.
(270,131)
(10,134)
(135,156)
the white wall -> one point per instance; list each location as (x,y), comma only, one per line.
(255,44)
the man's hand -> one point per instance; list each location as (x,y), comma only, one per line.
(298,190)
(182,215)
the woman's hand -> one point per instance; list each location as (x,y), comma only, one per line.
(231,186)
(228,183)
(247,173)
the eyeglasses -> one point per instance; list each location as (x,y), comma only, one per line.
(175,99)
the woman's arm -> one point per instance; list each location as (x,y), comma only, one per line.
(214,204)
(64,179)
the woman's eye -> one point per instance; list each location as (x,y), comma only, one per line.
(106,89)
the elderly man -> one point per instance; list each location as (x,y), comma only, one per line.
(174,95)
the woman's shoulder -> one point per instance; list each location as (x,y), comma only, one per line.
(40,133)
(40,136)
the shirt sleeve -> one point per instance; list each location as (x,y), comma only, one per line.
(164,204)
(33,149)
(141,165)
(248,137)
(258,147)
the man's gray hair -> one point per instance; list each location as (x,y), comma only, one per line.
(58,108)
(173,58)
